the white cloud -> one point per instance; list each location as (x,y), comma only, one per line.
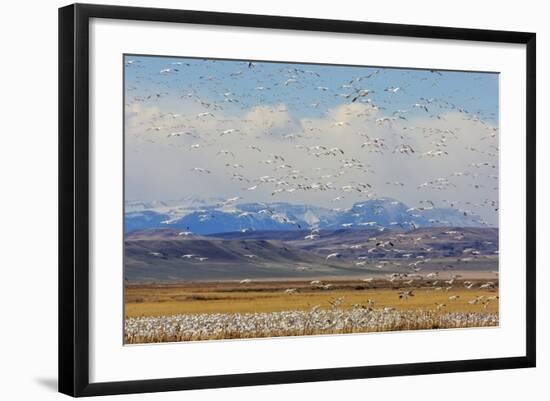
(158,166)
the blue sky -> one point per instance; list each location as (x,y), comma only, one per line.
(476,92)
(178,108)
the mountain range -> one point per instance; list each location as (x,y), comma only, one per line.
(204,218)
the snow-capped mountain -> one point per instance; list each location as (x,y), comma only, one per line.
(210,218)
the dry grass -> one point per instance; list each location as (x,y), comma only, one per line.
(195,298)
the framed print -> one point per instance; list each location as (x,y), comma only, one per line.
(249,199)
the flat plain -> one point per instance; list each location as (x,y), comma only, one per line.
(232,309)
(275,296)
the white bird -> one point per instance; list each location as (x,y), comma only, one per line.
(476,300)
(168,70)
(173,134)
(359,94)
(421,106)
(201,170)
(228,131)
(406,294)
(336,150)
(392,89)
(231,200)
(225,152)
(332,255)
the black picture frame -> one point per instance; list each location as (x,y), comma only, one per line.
(74,201)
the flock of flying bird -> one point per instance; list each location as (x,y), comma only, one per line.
(430,281)
(270,152)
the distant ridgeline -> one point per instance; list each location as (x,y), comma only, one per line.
(223,218)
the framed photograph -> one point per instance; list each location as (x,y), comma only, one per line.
(250,199)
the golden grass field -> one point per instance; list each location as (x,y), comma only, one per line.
(232,297)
